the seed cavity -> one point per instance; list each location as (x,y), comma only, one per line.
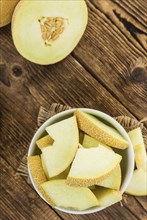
(52,28)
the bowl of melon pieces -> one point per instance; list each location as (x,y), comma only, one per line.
(81,161)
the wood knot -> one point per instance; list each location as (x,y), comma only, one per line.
(139,74)
(17,71)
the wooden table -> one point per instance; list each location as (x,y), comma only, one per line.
(106,71)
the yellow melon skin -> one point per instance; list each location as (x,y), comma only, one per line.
(26,31)
(6,9)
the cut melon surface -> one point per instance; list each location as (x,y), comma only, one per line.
(44,142)
(69,197)
(136,138)
(66,138)
(92,165)
(54,42)
(113,181)
(107,197)
(99,130)
(141,157)
(138,184)
(89,141)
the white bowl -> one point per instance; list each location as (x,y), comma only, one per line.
(127,163)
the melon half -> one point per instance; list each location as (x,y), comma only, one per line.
(45,32)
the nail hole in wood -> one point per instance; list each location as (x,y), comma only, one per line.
(17,71)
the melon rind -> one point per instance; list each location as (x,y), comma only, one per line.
(99,130)
(69,197)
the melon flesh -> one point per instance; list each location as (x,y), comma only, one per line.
(69,197)
(113,181)
(66,138)
(138,184)
(107,197)
(92,165)
(6,9)
(99,130)
(139,148)
(27,35)
(89,141)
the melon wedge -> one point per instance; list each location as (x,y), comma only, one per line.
(62,175)
(69,197)
(44,142)
(92,165)
(99,130)
(107,197)
(51,31)
(138,184)
(66,138)
(6,9)
(139,148)
(113,181)
(136,136)
(38,175)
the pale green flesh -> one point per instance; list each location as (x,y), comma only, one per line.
(66,137)
(27,34)
(138,184)
(69,197)
(136,137)
(107,197)
(91,163)
(105,127)
(113,181)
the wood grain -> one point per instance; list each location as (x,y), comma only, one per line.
(106,71)
(112,58)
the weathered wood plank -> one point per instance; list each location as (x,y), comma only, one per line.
(19,200)
(119,64)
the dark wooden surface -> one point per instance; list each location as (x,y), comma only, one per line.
(106,71)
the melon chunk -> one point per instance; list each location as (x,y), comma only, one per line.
(113,181)
(44,142)
(46,31)
(89,141)
(69,197)
(139,148)
(100,131)
(138,184)
(107,197)
(92,165)
(38,175)
(66,138)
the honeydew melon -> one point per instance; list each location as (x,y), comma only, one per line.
(99,130)
(138,184)
(113,181)
(107,197)
(6,9)
(89,141)
(46,31)
(139,148)
(69,197)
(66,138)
(92,165)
